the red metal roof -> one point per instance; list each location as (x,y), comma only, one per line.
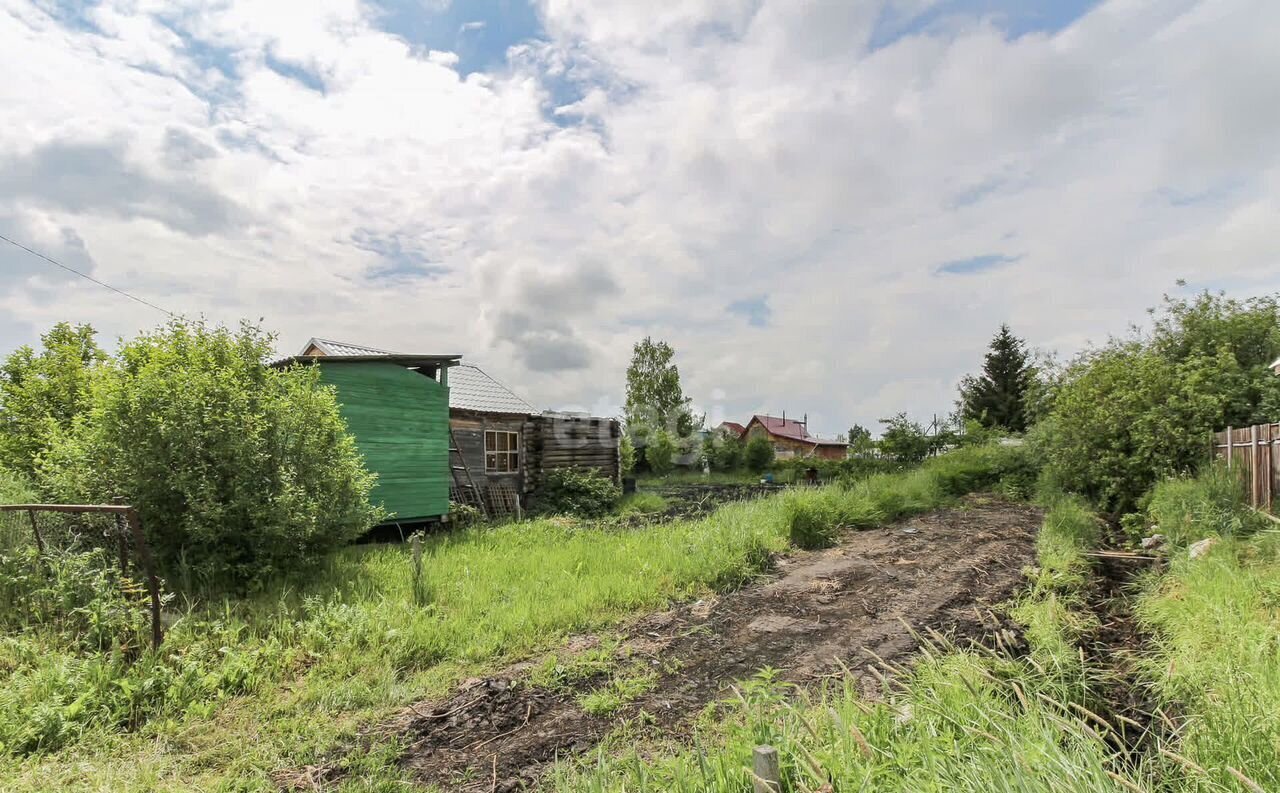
(790,428)
(732,426)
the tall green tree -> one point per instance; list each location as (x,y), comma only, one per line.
(655,399)
(43,392)
(997,397)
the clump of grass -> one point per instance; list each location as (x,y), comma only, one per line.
(642,504)
(1187,508)
(623,688)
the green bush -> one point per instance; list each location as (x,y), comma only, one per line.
(626,455)
(42,391)
(583,492)
(660,452)
(1136,411)
(237,470)
(758,454)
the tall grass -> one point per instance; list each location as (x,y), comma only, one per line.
(286,675)
(1216,622)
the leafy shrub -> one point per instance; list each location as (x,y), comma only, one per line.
(723,451)
(626,454)
(583,492)
(238,471)
(759,454)
(41,391)
(1136,411)
(660,453)
(464,515)
(14,489)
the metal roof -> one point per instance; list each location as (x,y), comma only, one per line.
(471,388)
(341,352)
(330,347)
(1275,364)
(791,429)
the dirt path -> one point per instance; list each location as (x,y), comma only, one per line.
(842,603)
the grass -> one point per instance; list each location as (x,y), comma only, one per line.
(642,504)
(244,688)
(1216,659)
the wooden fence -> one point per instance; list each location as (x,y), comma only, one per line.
(1252,450)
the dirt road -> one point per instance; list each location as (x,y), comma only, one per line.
(842,603)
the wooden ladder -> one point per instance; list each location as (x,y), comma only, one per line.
(463,483)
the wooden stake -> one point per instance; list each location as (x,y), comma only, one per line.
(767,773)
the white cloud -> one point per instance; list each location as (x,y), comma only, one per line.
(728,149)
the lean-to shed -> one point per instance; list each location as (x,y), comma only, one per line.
(397,408)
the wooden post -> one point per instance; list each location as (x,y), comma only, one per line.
(768,774)
(1253,465)
(148,566)
(1231,434)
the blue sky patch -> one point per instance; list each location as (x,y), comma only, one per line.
(755,310)
(395,261)
(478,31)
(294,71)
(976,264)
(1015,17)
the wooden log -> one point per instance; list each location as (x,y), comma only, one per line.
(765,767)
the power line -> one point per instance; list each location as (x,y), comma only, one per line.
(87,277)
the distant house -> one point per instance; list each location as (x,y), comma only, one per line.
(791,438)
(397,408)
(1275,366)
(731,429)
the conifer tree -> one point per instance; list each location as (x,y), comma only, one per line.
(997,397)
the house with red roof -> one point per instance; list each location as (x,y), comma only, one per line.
(791,438)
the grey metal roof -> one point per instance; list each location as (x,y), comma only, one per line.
(329,347)
(471,388)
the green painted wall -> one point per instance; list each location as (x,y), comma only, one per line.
(400,420)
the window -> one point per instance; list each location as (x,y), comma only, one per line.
(501,452)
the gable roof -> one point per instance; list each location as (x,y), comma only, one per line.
(790,429)
(338,348)
(471,388)
(1275,364)
(732,426)
(321,349)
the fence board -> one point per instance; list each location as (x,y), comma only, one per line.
(1252,450)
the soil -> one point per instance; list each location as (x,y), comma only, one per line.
(818,612)
(1114,649)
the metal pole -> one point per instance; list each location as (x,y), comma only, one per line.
(35,529)
(153,584)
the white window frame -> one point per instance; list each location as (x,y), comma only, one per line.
(511,454)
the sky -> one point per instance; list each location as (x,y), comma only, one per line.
(827,207)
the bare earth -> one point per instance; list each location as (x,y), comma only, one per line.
(935,571)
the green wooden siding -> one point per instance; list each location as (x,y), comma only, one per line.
(400,420)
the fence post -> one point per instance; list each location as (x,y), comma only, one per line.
(768,774)
(153,584)
(1231,434)
(1253,464)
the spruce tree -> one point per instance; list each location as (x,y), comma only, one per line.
(997,397)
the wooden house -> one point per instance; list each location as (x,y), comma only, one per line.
(397,408)
(490,427)
(791,438)
(504,446)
